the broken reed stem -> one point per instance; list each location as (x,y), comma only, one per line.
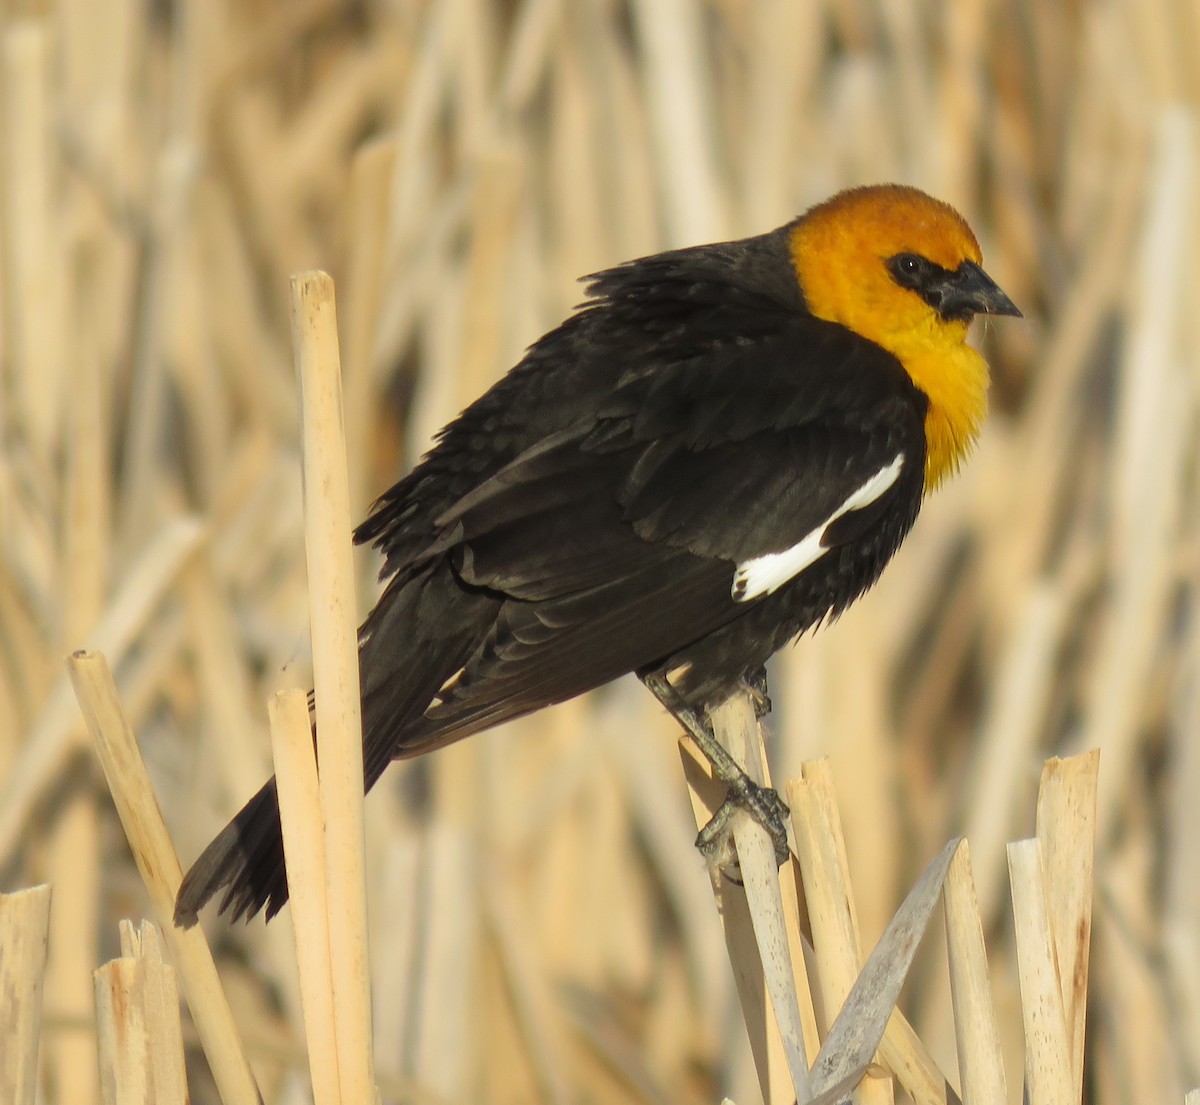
(334,627)
(736,727)
(1051,879)
(1066,828)
(139,1038)
(901,1050)
(976,1035)
(1052,906)
(821,852)
(24,931)
(870,1007)
(1047,1060)
(159,867)
(304,850)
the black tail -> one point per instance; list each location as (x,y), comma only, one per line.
(419,634)
(245,860)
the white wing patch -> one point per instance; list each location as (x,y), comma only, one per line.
(764,575)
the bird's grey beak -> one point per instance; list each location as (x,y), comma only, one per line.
(969,291)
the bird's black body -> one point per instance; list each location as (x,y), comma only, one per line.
(585,517)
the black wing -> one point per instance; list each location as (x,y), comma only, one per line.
(614,543)
(675,308)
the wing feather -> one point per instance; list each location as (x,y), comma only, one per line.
(611,543)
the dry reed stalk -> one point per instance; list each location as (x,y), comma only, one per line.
(570,899)
(577,167)
(869,1012)
(866,765)
(638,737)
(35,283)
(220,673)
(372,173)
(784,40)
(75,842)
(800,945)
(304,846)
(677,92)
(24,931)
(532,997)
(137,1024)
(1181,920)
(1150,459)
(327,526)
(257,369)
(1010,729)
(1048,1073)
(1135,1036)
(10,701)
(821,852)
(1066,829)
(445,1036)
(423,92)
(625,124)
(495,195)
(55,734)
(137,500)
(980,1062)
(75,869)
(960,106)
(770,1059)
(394,920)
(141,819)
(736,728)
(1047,435)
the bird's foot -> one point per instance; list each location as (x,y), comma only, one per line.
(715,840)
(742,793)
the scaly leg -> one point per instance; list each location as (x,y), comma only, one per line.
(742,792)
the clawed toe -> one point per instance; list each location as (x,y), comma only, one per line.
(715,840)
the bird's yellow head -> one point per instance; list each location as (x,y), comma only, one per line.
(903,270)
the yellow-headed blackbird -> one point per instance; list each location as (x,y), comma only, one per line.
(721,448)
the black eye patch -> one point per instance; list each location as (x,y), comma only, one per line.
(911,270)
(929,280)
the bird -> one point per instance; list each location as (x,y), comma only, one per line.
(718,450)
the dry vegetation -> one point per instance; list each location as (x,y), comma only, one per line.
(541,929)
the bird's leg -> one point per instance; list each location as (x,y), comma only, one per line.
(742,792)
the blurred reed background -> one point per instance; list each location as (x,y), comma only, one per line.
(541,928)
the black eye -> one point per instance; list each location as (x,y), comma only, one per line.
(909,269)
